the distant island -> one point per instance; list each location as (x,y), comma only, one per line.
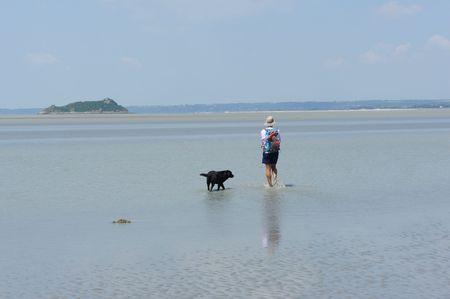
(104,106)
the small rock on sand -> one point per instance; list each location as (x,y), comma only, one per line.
(122,221)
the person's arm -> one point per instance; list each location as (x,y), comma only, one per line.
(263,137)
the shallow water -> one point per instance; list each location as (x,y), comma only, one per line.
(365,213)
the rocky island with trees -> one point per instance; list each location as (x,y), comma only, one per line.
(106,105)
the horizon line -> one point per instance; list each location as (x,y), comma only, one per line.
(245,103)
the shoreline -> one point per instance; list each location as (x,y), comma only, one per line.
(288,115)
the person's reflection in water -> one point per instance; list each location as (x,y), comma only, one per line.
(271,222)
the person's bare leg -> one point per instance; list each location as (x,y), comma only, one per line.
(269,174)
(275,172)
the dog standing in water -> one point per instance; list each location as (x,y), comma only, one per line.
(217,177)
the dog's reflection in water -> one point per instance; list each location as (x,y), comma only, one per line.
(271,222)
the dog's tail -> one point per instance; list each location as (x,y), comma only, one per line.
(203,174)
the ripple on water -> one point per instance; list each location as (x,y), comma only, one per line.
(413,263)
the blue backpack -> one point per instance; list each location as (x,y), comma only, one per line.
(272,146)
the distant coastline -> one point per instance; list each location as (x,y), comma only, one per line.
(292,106)
(265,106)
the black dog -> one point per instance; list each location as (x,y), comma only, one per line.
(217,177)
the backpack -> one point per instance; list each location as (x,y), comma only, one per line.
(272,146)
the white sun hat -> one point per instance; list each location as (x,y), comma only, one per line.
(270,122)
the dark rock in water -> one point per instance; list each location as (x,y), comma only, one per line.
(104,106)
(122,221)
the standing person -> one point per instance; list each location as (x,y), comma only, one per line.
(270,144)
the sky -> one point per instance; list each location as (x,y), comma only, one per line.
(165,52)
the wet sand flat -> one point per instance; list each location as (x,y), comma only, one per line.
(364,214)
(232,116)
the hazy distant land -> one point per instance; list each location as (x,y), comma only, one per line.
(243,107)
(293,106)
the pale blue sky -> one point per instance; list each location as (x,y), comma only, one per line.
(214,51)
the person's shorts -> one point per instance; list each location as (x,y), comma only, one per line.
(270,158)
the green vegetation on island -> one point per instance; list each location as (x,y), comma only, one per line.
(104,106)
